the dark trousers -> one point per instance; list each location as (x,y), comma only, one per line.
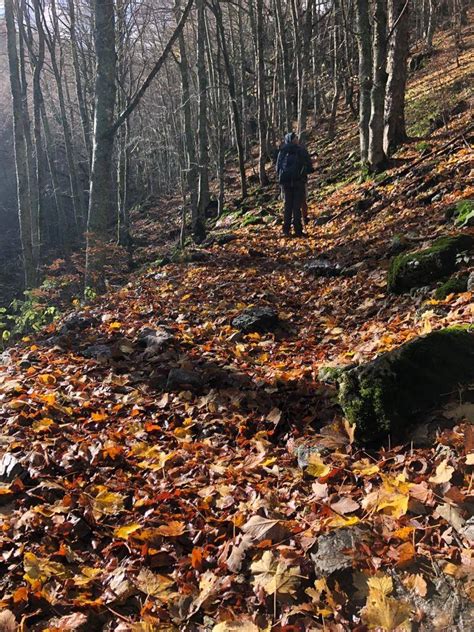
(294,195)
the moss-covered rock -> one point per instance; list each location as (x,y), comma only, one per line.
(454,285)
(420,268)
(384,396)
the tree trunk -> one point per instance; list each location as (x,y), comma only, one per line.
(21,156)
(262,121)
(286,64)
(85,123)
(431,24)
(101,218)
(199,218)
(190,148)
(365,77)
(398,24)
(377,156)
(233,99)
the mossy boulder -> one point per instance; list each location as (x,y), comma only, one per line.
(420,268)
(386,395)
(454,285)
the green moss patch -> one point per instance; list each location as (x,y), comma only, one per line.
(420,268)
(386,395)
(455,285)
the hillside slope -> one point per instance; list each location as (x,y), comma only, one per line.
(161,470)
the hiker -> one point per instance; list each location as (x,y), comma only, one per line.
(293,165)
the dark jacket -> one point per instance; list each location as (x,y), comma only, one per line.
(303,157)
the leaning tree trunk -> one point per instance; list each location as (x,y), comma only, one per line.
(398,24)
(85,123)
(101,217)
(21,155)
(377,156)
(236,118)
(365,76)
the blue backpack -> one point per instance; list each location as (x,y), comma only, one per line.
(291,167)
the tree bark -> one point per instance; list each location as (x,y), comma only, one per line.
(262,121)
(377,156)
(102,218)
(365,76)
(398,24)
(199,217)
(21,156)
(233,99)
(85,122)
(190,148)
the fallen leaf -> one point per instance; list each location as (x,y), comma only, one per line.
(383,612)
(172,529)
(316,466)
(444,473)
(416,584)
(260,528)
(275,576)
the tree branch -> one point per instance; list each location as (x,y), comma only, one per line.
(123,116)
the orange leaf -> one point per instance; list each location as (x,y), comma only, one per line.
(196,559)
(172,529)
(20,594)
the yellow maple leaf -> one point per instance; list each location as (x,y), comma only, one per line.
(123,532)
(342,521)
(383,612)
(42,425)
(38,570)
(316,466)
(391,498)
(105,501)
(88,574)
(364,467)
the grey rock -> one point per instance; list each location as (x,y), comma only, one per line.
(154,340)
(98,352)
(256,319)
(183,379)
(333,550)
(470,283)
(77,322)
(321,267)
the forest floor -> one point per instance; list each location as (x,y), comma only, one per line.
(158,482)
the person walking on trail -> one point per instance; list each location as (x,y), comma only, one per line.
(293,165)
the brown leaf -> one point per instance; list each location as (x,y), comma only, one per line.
(260,528)
(236,558)
(344,505)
